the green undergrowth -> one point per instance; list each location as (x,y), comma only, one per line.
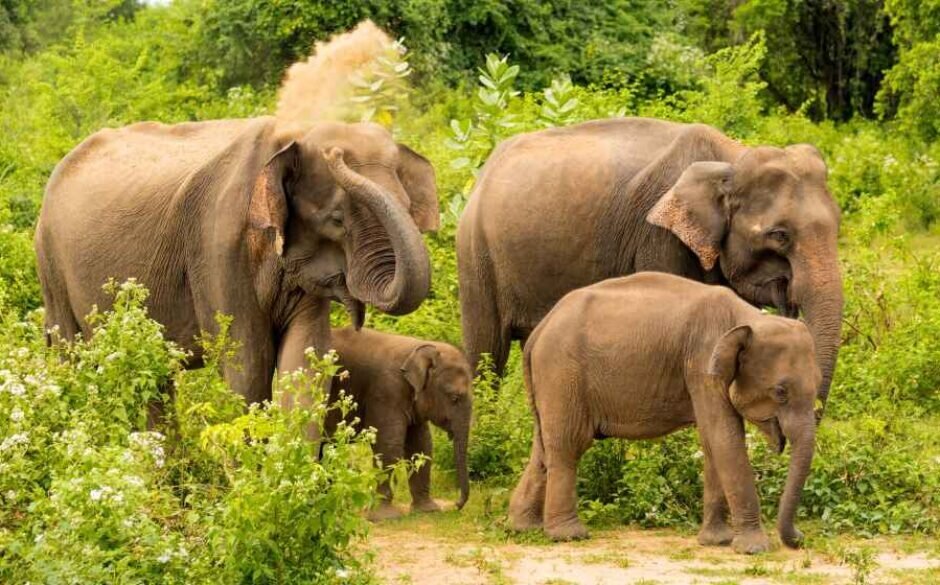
(203,504)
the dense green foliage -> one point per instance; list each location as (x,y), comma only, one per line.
(88,496)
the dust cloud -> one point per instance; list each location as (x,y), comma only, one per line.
(317,88)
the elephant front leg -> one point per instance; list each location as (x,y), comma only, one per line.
(389,448)
(724,445)
(715,528)
(308,328)
(419,442)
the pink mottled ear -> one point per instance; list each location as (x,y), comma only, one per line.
(267,209)
(693,209)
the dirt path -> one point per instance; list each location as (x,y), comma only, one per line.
(419,552)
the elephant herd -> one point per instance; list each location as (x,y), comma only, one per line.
(270,225)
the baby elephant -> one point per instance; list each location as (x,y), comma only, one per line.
(399,384)
(641,356)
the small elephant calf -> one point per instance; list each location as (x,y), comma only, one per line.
(399,384)
(642,356)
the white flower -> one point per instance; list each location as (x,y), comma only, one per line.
(10,495)
(342,573)
(104,492)
(134,480)
(16,415)
(14,440)
(16,389)
(164,558)
(152,442)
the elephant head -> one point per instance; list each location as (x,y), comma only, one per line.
(442,382)
(339,209)
(771,224)
(770,375)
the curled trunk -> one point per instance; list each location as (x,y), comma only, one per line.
(388,261)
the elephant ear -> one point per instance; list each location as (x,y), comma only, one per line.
(724,360)
(267,208)
(417,177)
(694,208)
(417,367)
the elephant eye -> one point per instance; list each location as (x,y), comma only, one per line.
(780,394)
(455,398)
(780,236)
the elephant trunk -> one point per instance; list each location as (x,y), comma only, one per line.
(801,431)
(460,462)
(388,261)
(817,290)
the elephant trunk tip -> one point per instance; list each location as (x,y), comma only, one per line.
(791,536)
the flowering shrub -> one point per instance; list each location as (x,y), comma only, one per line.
(89,495)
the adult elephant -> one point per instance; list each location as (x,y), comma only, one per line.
(234,217)
(560,209)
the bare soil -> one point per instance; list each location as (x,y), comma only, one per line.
(441,549)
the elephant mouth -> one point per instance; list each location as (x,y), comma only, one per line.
(770,428)
(769,293)
(765,283)
(778,290)
(335,289)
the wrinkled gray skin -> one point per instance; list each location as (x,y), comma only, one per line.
(231,217)
(641,356)
(400,384)
(560,209)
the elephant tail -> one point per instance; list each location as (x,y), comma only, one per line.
(530,389)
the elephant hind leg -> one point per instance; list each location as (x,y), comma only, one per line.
(527,505)
(566,434)
(484,330)
(60,320)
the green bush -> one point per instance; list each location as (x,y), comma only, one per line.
(90,496)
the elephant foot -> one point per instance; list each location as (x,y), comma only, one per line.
(718,534)
(567,530)
(384,511)
(520,522)
(427,505)
(525,507)
(751,542)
